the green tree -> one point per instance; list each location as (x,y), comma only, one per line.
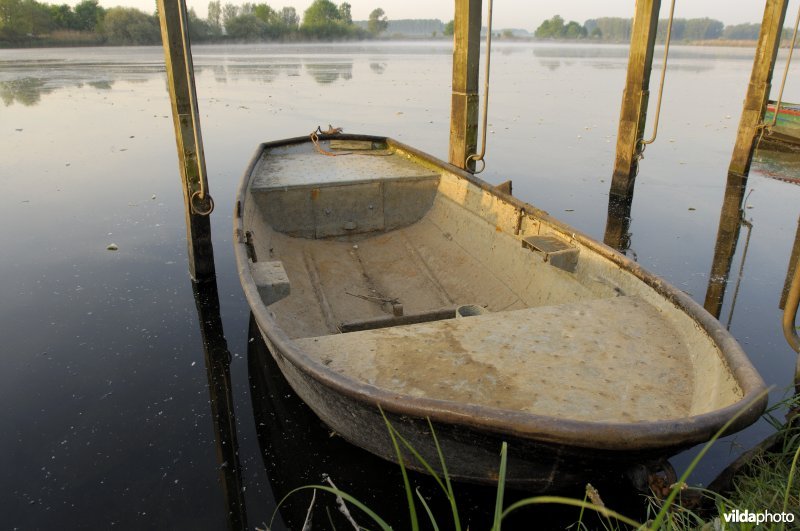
(377,22)
(229,12)
(321,13)
(247,27)
(215,16)
(88,15)
(550,29)
(345,13)
(742,32)
(323,19)
(199,30)
(288,17)
(449,28)
(573,30)
(265,13)
(63,17)
(126,25)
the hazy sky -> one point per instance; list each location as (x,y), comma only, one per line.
(525,14)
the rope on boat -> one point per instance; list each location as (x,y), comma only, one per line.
(332,131)
(485,111)
(643,143)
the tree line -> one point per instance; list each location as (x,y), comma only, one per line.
(28,22)
(617,29)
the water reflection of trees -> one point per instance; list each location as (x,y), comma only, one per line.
(325,73)
(378,68)
(27,91)
(261,73)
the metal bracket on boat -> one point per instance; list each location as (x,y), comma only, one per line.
(554,251)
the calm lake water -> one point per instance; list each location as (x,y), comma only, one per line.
(106,412)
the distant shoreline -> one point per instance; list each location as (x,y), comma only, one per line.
(90,43)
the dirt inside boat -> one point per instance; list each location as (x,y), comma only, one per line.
(363,259)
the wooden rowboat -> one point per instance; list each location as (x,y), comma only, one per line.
(786,131)
(381,276)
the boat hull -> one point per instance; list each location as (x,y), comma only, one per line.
(546,451)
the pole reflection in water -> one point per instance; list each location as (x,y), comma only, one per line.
(730,222)
(217,359)
(298,450)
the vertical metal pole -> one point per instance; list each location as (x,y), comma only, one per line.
(464,102)
(180,76)
(633,113)
(758,90)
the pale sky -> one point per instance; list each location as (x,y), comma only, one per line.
(524,14)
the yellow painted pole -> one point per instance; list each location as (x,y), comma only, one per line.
(180,75)
(464,102)
(633,112)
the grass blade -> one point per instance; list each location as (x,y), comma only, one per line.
(792,470)
(541,500)
(659,519)
(412,509)
(449,491)
(336,492)
(428,510)
(501,485)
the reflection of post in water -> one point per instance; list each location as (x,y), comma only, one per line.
(618,223)
(217,358)
(730,221)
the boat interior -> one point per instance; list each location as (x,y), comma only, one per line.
(400,273)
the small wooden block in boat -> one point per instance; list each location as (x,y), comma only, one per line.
(271,280)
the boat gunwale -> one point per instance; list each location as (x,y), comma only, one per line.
(648,435)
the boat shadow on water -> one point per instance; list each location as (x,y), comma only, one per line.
(299,450)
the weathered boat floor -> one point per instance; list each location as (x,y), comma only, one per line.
(608,360)
(596,359)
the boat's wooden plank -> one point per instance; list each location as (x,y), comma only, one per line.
(461,275)
(608,360)
(391,266)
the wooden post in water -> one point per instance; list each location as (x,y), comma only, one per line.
(758,90)
(180,75)
(633,113)
(464,103)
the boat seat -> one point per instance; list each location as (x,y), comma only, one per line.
(614,359)
(306,194)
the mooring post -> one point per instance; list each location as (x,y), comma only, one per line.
(755,101)
(464,102)
(180,76)
(633,113)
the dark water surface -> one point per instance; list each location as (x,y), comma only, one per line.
(106,411)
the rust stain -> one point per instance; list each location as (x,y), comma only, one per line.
(314,193)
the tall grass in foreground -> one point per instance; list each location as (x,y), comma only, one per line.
(769,488)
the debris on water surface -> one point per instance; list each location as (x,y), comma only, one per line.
(112,247)
(692,208)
